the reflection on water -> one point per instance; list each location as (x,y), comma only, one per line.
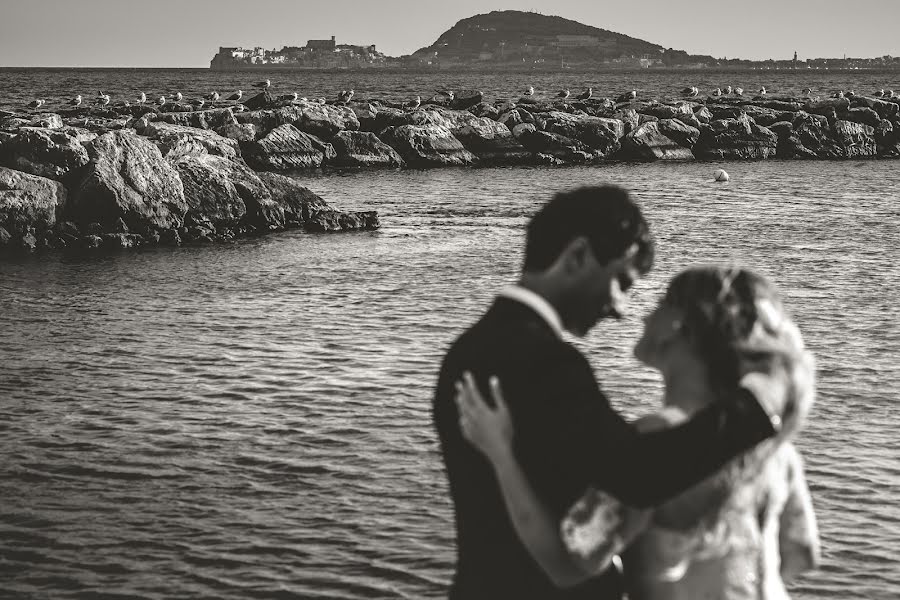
(253,420)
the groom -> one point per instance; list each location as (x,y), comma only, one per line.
(583,251)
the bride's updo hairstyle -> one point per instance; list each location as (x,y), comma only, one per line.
(735,321)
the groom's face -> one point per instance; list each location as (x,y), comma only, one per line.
(600,291)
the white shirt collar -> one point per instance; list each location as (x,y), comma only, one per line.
(537,304)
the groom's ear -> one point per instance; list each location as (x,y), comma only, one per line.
(575,255)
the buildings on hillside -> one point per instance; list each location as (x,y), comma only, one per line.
(316,54)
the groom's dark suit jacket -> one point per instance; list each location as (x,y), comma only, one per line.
(567,437)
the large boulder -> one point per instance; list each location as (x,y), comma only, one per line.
(364,149)
(739,138)
(485,109)
(857,139)
(660,111)
(453,120)
(29,202)
(428,145)
(466,99)
(597,133)
(325,120)
(209,191)
(647,142)
(51,153)
(884,108)
(304,208)
(175,141)
(332,221)
(261,100)
(492,142)
(678,131)
(387,116)
(863,115)
(766,116)
(556,145)
(887,138)
(286,148)
(629,117)
(365,113)
(296,201)
(128,178)
(219,117)
(46,121)
(239,132)
(267,120)
(195,119)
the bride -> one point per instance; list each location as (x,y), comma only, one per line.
(739,534)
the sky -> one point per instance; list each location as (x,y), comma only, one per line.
(187,33)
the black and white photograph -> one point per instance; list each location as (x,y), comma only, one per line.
(465,300)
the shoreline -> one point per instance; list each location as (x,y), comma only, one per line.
(121,176)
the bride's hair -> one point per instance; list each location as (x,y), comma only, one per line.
(737,324)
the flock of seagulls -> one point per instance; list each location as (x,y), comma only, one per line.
(345,96)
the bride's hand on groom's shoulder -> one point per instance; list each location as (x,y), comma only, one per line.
(487,428)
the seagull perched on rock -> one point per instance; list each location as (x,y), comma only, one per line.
(263,85)
(585,95)
(197,103)
(214,96)
(345,96)
(838,94)
(762,91)
(628,96)
(807,91)
(161,100)
(879,94)
(235,97)
(178,97)
(103,99)
(529,91)
(413,104)
(892,94)
(692,91)
(563,94)
(728,90)
(76,101)
(850,94)
(143,98)
(738,91)
(36,103)
(717,92)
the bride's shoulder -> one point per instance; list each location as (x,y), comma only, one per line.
(668,416)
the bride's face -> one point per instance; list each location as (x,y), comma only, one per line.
(663,335)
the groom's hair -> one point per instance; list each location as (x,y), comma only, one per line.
(605,215)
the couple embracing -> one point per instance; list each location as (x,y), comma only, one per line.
(556,496)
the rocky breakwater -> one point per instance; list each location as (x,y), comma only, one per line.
(136,176)
(469,130)
(131,175)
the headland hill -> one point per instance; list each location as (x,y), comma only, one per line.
(519,41)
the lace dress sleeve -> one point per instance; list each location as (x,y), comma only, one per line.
(599,527)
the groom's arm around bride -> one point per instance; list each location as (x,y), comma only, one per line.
(582,252)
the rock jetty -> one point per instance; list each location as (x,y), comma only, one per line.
(131,175)
(135,176)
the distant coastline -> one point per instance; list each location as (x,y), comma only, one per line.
(520,42)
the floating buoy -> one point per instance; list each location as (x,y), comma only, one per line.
(721,176)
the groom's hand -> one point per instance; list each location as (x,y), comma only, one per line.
(770,384)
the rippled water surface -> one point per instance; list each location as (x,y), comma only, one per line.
(253,420)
